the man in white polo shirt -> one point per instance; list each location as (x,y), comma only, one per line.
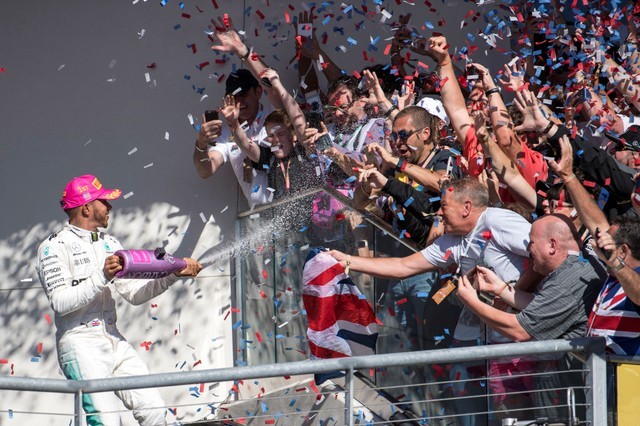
(215,146)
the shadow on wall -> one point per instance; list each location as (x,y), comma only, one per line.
(184,328)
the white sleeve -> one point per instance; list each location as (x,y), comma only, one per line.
(66,293)
(138,292)
(223,144)
(442,252)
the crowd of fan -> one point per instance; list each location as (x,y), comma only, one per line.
(532,206)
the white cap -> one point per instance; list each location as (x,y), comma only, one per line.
(434,107)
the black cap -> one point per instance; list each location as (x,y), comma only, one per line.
(240,79)
(628,141)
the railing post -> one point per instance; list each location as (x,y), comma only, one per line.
(596,382)
(348,415)
(77,408)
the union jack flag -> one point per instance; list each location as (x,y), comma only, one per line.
(341,321)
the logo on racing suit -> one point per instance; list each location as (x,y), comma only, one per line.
(76,247)
(107,247)
(46,251)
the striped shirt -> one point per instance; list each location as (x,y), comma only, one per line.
(617,318)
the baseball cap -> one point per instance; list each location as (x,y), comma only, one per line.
(628,141)
(240,81)
(84,189)
(434,107)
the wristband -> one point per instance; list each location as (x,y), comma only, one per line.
(572,177)
(245,56)
(548,128)
(492,91)
(390,110)
(401,165)
(200,150)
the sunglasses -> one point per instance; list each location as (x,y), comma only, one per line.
(402,135)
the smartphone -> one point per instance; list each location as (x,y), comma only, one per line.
(324,142)
(210,115)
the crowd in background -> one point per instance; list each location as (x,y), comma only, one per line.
(521,187)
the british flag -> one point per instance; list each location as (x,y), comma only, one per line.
(617,318)
(341,321)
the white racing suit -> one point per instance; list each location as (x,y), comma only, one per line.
(70,265)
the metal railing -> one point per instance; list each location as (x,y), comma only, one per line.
(592,349)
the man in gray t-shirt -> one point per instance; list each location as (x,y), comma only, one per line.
(559,309)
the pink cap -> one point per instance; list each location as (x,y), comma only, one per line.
(84,189)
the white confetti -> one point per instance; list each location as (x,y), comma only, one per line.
(304,247)
(190,117)
(203,217)
(283,324)
(141,33)
(112,63)
(60,67)
(148,165)
(87,142)
(166,136)
(203,97)
(225,209)
(26,280)
(147,77)
(254,216)
(127,195)
(111,80)
(266,261)
(133,151)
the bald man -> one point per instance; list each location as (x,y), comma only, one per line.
(561,306)
(559,309)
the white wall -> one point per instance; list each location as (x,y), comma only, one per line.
(74,100)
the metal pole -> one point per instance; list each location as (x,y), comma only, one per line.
(596,382)
(348,414)
(77,408)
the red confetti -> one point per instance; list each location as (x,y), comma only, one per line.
(186,15)
(4,361)
(259,337)
(201,387)
(152,66)
(263,294)
(47,317)
(39,347)
(215,4)
(154,305)
(447,254)
(146,345)
(401,301)
(607,182)
(260,14)
(203,64)
(198,362)
(486,235)
(589,184)
(339,216)
(265,275)
(2,70)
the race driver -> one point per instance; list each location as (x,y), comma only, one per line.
(77,269)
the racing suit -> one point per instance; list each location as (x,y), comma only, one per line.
(70,267)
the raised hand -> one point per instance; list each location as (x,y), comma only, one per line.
(226,34)
(231,111)
(564,167)
(532,117)
(514,76)
(439,49)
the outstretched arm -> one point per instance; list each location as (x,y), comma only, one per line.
(231,42)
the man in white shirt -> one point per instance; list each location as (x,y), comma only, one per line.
(215,146)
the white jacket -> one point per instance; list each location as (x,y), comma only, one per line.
(70,265)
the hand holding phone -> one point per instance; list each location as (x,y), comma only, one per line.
(210,115)
(607,253)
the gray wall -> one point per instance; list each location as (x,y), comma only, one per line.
(74,100)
